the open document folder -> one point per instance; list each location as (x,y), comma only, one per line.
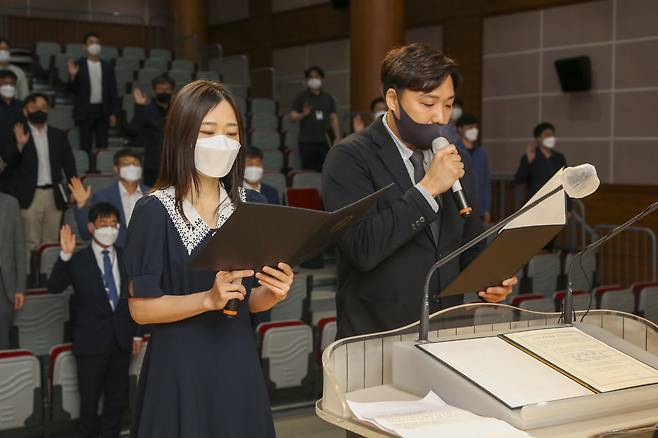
(258,235)
(516,244)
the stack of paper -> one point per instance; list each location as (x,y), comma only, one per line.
(430,417)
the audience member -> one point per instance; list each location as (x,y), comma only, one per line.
(541,161)
(377,109)
(35,161)
(12,265)
(104,334)
(148,122)
(315,109)
(96,102)
(5,64)
(468,128)
(11,110)
(123,195)
(253,175)
(449,131)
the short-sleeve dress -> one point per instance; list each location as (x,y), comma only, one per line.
(201,376)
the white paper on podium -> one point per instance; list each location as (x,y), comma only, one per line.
(430,417)
(551,211)
(509,374)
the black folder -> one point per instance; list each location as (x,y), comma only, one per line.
(258,235)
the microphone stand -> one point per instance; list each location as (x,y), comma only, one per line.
(567,312)
(423,330)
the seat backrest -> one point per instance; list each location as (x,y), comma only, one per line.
(61,117)
(266,138)
(81,161)
(544,270)
(75,50)
(207,74)
(328,329)
(160,53)
(235,69)
(105,160)
(98,182)
(239,90)
(307,180)
(485,315)
(64,384)
(287,347)
(148,74)
(265,121)
(133,52)
(156,64)
(263,105)
(48,254)
(272,160)
(304,198)
(20,389)
(292,307)
(47,48)
(276,180)
(180,77)
(638,287)
(538,305)
(126,63)
(582,276)
(41,322)
(182,65)
(648,303)
(108,53)
(622,300)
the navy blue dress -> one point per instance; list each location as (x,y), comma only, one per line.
(201,376)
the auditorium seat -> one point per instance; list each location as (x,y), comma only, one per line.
(61,116)
(543,272)
(75,50)
(98,181)
(582,280)
(242,104)
(293,306)
(286,351)
(60,64)
(47,255)
(648,303)
(304,198)
(637,288)
(239,90)
(206,74)
(20,393)
(105,159)
(600,290)
(294,159)
(262,105)
(133,52)
(161,54)
(69,219)
(128,107)
(64,396)
(126,63)
(41,321)
(620,299)
(109,53)
(159,64)
(322,304)
(81,161)
(235,70)
(276,180)
(180,77)
(327,328)
(265,138)
(306,179)
(581,300)
(45,52)
(265,121)
(146,75)
(182,65)
(534,302)
(272,159)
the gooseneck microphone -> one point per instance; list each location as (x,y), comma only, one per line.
(457,191)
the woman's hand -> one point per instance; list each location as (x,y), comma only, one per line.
(277,281)
(226,288)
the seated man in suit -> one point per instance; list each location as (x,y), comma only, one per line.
(104,334)
(253,174)
(36,158)
(384,257)
(123,195)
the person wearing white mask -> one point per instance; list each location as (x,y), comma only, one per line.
(199,349)
(5,64)
(123,195)
(315,110)
(468,128)
(541,161)
(253,176)
(11,111)
(377,110)
(104,334)
(96,103)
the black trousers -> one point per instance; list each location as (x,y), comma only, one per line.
(93,124)
(313,155)
(106,375)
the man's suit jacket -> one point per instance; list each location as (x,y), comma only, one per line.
(112,195)
(81,87)
(384,257)
(97,327)
(270,193)
(12,247)
(23,167)
(147,124)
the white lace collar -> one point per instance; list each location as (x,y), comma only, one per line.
(195,228)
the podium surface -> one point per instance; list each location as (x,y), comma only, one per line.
(389,367)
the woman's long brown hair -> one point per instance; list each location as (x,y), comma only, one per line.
(181,130)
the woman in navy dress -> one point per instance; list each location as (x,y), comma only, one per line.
(201,376)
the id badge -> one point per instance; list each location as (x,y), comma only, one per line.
(319,115)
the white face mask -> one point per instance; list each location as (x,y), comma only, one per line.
(379,114)
(4,55)
(130,173)
(8,91)
(214,156)
(314,83)
(94,49)
(456,113)
(253,174)
(471,134)
(549,142)
(106,236)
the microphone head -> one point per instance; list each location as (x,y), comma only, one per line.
(580,181)
(439,143)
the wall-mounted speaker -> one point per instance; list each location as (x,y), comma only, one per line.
(575,73)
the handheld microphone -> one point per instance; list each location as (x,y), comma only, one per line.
(230,310)
(457,191)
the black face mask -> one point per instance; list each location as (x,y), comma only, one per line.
(163,98)
(38,117)
(420,135)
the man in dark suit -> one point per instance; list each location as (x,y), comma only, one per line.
(104,334)
(383,258)
(123,195)
(35,160)
(253,175)
(93,82)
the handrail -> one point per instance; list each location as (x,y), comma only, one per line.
(624,247)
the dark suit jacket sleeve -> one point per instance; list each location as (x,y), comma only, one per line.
(114,98)
(60,277)
(69,160)
(138,120)
(375,237)
(74,84)
(523,172)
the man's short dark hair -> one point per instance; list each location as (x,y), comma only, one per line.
(163,79)
(118,155)
(254,152)
(6,41)
(103,209)
(417,67)
(466,119)
(543,126)
(8,74)
(314,68)
(89,35)
(32,97)
(375,101)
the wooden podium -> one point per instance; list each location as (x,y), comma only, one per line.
(368,368)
